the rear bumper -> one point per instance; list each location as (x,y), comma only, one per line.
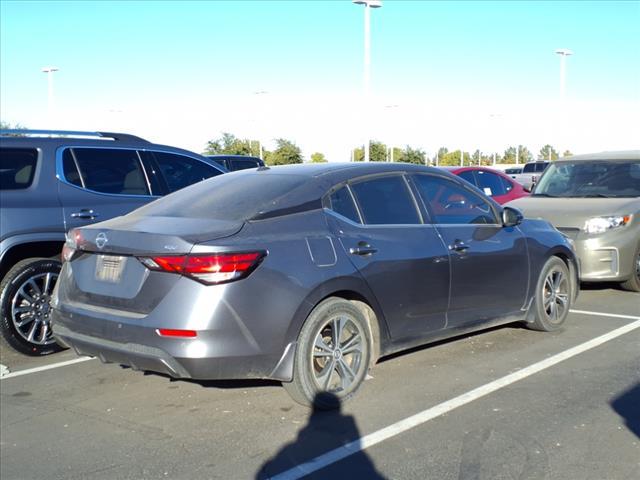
(141,348)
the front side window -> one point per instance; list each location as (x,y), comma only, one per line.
(105,170)
(17,167)
(468,176)
(490,183)
(180,171)
(386,201)
(342,204)
(451,203)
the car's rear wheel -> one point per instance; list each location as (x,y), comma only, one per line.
(25,306)
(552,297)
(633,284)
(332,356)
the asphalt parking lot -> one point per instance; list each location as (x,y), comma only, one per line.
(503,404)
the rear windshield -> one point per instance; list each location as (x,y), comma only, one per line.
(236,197)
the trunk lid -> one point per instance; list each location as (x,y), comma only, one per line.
(133,235)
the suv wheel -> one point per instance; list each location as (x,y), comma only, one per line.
(25,306)
(332,356)
(633,284)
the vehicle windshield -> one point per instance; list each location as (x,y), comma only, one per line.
(591,179)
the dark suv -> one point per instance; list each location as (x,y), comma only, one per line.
(53,181)
(236,162)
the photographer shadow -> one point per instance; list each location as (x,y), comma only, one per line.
(325,431)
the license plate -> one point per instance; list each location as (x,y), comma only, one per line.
(109,268)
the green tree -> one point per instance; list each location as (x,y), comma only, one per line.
(412,155)
(510,155)
(318,157)
(229,144)
(442,151)
(524,155)
(453,158)
(8,126)
(286,153)
(548,153)
(377,152)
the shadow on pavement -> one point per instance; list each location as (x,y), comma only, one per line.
(325,431)
(627,406)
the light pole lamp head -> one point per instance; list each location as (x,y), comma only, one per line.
(565,52)
(369,3)
(49,69)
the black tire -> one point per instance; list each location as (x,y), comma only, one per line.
(25,294)
(633,284)
(322,367)
(553,296)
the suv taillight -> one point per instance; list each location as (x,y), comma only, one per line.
(210,269)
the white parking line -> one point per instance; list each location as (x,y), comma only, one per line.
(408,423)
(27,371)
(615,315)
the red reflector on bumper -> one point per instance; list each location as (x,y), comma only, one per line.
(169,332)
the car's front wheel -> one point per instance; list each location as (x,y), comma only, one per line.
(553,296)
(633,284)
(25,306)
(332,355)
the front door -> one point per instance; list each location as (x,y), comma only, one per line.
(489,262)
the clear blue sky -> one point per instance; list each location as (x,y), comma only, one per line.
(120,52)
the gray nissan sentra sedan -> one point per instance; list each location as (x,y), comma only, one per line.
(306,274)
(594,199)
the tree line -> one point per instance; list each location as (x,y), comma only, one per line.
(287,152)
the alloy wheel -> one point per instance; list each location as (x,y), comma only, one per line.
(338,353)
(31,309)
(555,295)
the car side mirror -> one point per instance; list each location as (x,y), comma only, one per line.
(511,217)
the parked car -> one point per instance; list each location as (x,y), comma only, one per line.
(595,200)
(531,173)
(52,181)
(513,170)
(306,274)
(236,162)
(491,182)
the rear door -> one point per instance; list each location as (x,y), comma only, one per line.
(97,184)
(489,263)
(402,259)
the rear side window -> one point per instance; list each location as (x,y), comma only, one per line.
(106,170)
(468,176)
(342,204)
(180,171)
(490,183)
(17,167)
(243,164)
(386,201)
(450,203)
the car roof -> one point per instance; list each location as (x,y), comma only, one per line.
(613,155)
(350,169)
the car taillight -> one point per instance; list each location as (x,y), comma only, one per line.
(210,269)
(170,332)
(67,252)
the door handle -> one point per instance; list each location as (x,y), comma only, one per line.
(362,249)
(458,246)
(85,214)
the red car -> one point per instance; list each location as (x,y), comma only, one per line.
(492,182)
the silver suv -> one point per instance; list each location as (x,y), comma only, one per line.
(53,181)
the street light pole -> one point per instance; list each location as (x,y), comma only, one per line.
(50,100)
(368,4)
(564,53)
